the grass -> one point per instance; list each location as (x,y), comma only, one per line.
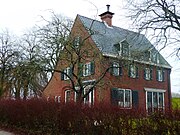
(176,103)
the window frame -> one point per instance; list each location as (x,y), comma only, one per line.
(151,106)
(88,68)
(133,71)
(116,69)
(148,73)
(160,75)
(67,100)
(121,99)
(68,71)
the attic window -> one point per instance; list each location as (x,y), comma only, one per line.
(123,48)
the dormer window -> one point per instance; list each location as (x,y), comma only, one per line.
(147,55)
(156,57)
(123,48)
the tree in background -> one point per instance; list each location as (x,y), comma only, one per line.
(160,19)
(52,37)
(8,59)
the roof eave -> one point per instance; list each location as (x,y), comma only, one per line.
(138,61)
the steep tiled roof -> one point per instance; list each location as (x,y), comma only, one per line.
(106,37)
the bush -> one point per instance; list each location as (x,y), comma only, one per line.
(39,117)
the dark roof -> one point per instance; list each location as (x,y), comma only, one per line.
(105,38)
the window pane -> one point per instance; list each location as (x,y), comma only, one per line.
(115,68)
(68,96)
(121,98)
(133,71)
(147,74)
(125,49)
(155,99)
(160,100)
(127,98)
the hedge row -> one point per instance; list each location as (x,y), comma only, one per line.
(39,117)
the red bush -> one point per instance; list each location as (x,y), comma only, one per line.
(37,116)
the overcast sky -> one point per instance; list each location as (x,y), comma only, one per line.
(19,15)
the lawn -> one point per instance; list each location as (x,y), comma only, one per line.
(176,103)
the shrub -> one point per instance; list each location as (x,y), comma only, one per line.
(39,117)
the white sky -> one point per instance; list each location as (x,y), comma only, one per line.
(19,15)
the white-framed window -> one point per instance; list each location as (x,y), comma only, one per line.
(77,41)
(67,96)
(154,100)
(55,98)
(123,48)
(122,97)
(88,69)
(89,99)
(148,74)
(59,99)
(160,75)
(133,71)
(116,69)
(67,71)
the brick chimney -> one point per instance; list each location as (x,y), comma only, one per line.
(107,16)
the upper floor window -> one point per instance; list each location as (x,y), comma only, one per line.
(88,69)
(77,41)
(133,71)
(160,75)
(122,97)
(66,74)
(116,69)
(148,74)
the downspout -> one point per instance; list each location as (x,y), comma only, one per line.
(169,88)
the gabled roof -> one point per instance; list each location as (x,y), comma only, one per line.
(106,37)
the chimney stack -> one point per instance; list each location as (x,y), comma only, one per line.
(107,16)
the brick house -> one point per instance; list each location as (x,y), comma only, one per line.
(137,75)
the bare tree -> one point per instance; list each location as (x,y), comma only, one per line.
(28,76)
(52,37)
(8,59)
(160,19)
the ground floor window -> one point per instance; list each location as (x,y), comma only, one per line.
(67,96)
(154,101)
(122,97)
(89,99)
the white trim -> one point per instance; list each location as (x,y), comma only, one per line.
(66,95)
(59,99)
(154,90)
(144,62)
(86,81)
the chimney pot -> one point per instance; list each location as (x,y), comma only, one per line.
(108,7)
